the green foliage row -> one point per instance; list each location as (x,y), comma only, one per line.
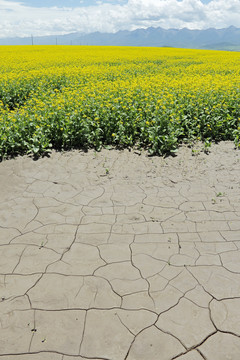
(91,124)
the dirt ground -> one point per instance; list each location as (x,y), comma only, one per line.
(120,256)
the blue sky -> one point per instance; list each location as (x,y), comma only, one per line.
(53,17)
(67,3)
(76,3)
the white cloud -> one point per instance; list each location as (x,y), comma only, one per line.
(19,20)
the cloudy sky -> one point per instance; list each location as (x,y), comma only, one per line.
(50,17)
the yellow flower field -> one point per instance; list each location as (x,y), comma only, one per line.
(67,97)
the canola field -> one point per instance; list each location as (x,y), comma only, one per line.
(65,97)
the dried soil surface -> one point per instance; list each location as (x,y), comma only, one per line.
(120,256)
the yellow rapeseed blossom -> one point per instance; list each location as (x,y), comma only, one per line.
(115,94)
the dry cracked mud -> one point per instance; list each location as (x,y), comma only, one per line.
(120,256)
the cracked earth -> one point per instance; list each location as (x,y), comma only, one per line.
(120,256)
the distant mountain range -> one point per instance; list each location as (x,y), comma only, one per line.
(216,39)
